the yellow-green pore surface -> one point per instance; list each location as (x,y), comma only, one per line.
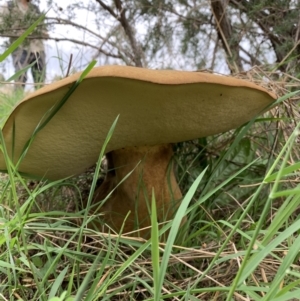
(155,107)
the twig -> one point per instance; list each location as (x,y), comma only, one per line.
(129,32)
(69,40)
(109,9)
(70,64)
(224,30)
(136,49)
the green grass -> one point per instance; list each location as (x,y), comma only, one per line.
(240,240)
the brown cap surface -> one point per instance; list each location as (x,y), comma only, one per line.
(155,107)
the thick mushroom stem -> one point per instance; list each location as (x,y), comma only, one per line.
(149,169)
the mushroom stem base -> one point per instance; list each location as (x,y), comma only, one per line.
(138,172)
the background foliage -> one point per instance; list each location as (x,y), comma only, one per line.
(220,35)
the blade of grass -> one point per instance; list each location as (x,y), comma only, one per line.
(20,40)
(287,171)
(289,296)
(53,111)
(20,72)
(98,166)
(281,272)
(86,282)
(155,249)
(285,211)
(174,230)
(58,282)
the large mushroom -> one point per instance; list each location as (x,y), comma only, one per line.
(155,108)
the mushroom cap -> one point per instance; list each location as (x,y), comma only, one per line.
(154,107)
